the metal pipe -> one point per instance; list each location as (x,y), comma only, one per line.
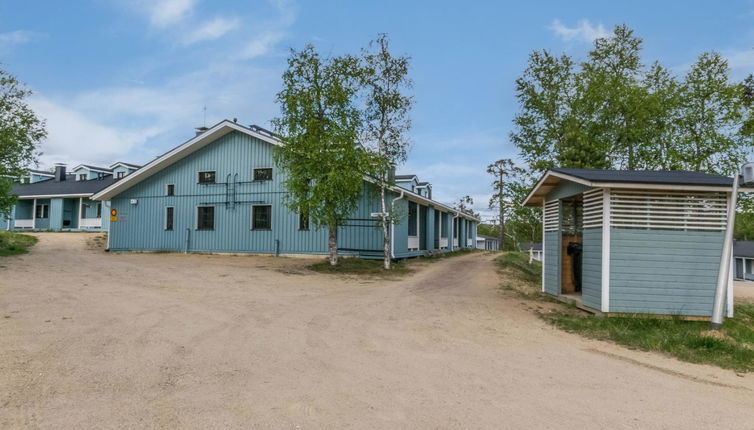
(188,235)
(392,225)
(277,247)
(723,272)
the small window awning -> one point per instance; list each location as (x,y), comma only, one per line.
(676,180)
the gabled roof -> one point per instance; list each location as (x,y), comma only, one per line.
(644,179)
(69,187)
(181,151)
(92,168)
(124,164)
(213,133)
(405,178)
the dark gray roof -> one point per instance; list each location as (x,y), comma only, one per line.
(524,246)
(670,177)
(421,184)
(743,248)
(52,187)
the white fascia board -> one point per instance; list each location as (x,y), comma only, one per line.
(52,196)
(189,147)
(557,175)
(81,166)
(672,187)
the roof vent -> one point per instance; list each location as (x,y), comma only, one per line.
(200,130)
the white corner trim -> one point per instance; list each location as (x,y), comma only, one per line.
(731,275)
(605,250)
(543,245)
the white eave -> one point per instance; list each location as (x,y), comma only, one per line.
(192,145)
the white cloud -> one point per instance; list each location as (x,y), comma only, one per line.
(262,44)
(212,30)
(12,39)
(584,31)
(741,62)
(163,13)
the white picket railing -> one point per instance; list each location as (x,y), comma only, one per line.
(23,223)
(90,223)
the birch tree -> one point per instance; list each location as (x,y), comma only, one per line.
(386,122)
(21,132)
(320,124)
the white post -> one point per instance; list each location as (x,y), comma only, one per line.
(605,298)
(531,254)
(729,295)
(544,208)
(716,323)
(34,214)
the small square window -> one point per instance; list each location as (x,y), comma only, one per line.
(42,211)
(169,218)
(261,217)
(207,177)
(170,190)
(264,174)
(205,218)
(303,221)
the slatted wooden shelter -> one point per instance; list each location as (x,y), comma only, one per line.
(647,242)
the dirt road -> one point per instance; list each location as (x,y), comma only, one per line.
(95,340)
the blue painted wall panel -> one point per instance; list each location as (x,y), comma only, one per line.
(552,262)
(591,288)
(664,271)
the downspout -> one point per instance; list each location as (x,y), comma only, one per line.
(392,225)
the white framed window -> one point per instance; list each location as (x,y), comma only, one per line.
(170,189)
(82,176)
(205,218)
(261,217)
(206,177)
(120,175)
(169,218)
(42,211)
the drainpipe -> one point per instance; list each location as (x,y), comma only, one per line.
(723,270)
(392,225)
(188,235)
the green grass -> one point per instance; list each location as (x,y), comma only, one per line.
(360,266)
(15,243)
(692,341)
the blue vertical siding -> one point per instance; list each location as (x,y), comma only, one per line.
(552,262)
(591,279)
(664,271)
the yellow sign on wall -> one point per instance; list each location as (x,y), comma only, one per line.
(113,215)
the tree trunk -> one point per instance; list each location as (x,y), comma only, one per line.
(502,213)
(332,243)
(385,230)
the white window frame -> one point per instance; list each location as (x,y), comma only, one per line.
(198,174)
(85,177)
(253,174)
(167,187)
(165,218)
(251,217)
(196,218)
(120,175)
(45,211)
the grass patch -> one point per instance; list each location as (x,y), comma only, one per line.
(437,255)
(691,341)
(15,243)
(360,266)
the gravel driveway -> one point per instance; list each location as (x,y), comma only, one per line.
(96,340)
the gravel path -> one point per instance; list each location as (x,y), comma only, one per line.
(96,340)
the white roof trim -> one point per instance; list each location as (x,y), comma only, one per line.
(189,147)
(81,166)
(120,163)
(632,185)
(51,196)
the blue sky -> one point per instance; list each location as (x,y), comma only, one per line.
(127,80)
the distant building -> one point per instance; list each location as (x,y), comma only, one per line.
(535,248)
(488,243)
(60,200)
(743,252)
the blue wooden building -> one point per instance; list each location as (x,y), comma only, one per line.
(60,200)
(221,192)
(639,242)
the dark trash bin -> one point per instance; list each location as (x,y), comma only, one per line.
(575,250)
